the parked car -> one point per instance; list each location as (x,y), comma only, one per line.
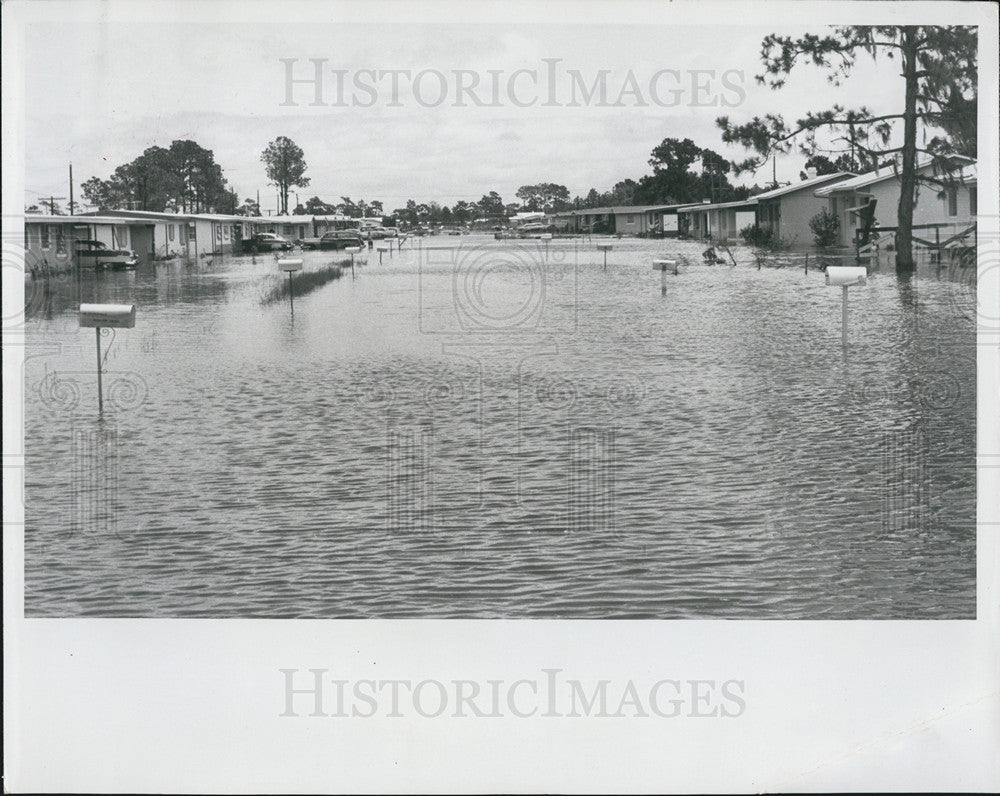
(337,239)
(268,242)
(97,253)
(378,233)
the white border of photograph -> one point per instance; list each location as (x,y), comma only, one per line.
(194,705)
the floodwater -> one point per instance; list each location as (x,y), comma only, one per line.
(481,429)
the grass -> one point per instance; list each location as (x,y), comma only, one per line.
(305,282)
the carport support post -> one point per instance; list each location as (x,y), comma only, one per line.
(100,389)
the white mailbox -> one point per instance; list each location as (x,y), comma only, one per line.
(107,316)
(382,247)
(605,246)
(663,265)
(353,250)
(290,264)
(546,236)
(846,275)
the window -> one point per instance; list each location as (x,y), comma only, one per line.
(170,231)
(287,229)
(973,201)
(119,236)
(629,219)
(43,231)
(953,201)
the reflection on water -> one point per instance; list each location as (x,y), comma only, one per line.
(500,430)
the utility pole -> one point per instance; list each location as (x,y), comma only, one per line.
(71,203)
(51,202)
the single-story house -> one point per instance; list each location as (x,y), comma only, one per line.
(786,211)
(49,240)
(720,221)
(939,213)
(670,219)
(188,235)
(623,220)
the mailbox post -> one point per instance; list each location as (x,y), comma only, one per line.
(290,265)
(105,316)
(605,247)
(845,276)
(352,250)
(661,266)
(546,236)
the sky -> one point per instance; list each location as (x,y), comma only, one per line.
(97,93)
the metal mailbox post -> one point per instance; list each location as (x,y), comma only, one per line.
(290,265)
(661,266)
(105,316)
(352,250)
(845,276)
(605,247)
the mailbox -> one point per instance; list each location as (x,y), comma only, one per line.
(663,265)
(846,275)
(290,264)
(107,316)
(353,250)
(382,247)
(605,246)
(546,236)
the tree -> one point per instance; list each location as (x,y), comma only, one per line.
(315,206)
(938,67)
(546,196)
(491,205)
(248,208)
(183,177)
(285,166)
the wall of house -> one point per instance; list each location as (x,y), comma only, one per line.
(929,209)
(630,223)
(796,210)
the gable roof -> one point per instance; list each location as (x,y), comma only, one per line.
(812,182)
(751,202)
(888,173)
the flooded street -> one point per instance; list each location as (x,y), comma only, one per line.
(481,429)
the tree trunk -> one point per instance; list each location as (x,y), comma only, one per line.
(908,176)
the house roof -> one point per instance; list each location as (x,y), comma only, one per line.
(888,173)
(751,202)
(154,215)
(812,182)
(83,220)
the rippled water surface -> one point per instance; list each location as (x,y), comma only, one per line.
(481,429)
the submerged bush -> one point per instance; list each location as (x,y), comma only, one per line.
(825,227)
(764,238)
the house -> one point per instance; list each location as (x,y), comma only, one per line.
(159,235)
(721,221)
(49,240)
(786,211)
(938,214)
(621,220)
(292,228)
(670,219)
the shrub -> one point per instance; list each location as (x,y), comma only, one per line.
(764,238)
(759,237)
(825,227)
